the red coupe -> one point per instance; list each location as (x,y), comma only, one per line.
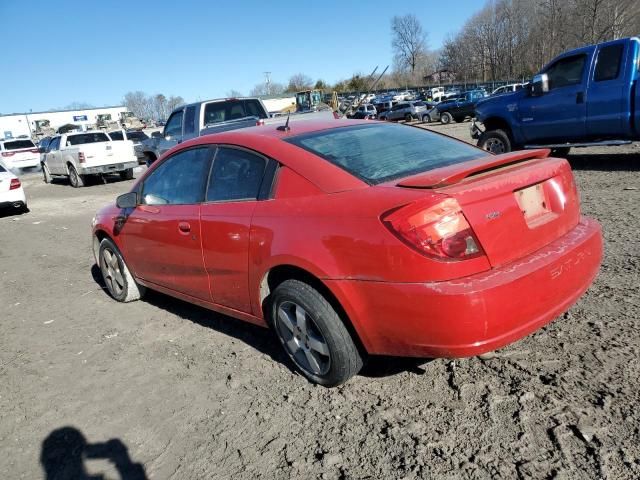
(351,238)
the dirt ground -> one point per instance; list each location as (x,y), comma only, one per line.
(163,389)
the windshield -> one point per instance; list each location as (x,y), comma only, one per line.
(224,111)
(18,144)
(87,138)
(382,152)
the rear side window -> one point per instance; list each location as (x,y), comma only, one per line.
(226,110)
(2,170)
(566,71)
(608,64)
(18,144)
(87,138)
(189,120)
(116,135)
(137,136)
(180,180)
(236,175)
(381,152)
(54,144)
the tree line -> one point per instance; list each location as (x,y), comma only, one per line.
(153,107)
(510,39)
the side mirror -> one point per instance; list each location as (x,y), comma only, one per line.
(156,134)
(42,149)
(539,85)
(127,200)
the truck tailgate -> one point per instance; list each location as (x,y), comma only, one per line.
(107,153)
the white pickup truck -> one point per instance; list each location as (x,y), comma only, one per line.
(77,155)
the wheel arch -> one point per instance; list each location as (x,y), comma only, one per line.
(499,123)
(279,273)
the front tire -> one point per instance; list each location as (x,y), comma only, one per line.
(75,179)
(495,141)
(45,173)
(408,117)
(446,118)
(116,275)
(313,334)
(426,118)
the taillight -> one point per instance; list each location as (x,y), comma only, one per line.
(8,154)
(440,231)
(260,122)
(15,183)
(81,158)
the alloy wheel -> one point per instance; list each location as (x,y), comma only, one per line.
(111,272)
(302,339)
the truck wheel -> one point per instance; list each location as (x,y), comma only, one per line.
(75,179)
(45,173)
(408,117)
(127,174)
(495,141)
(560,152)
(446,118)
(313,334)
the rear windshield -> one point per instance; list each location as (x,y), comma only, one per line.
(116,136)
(18,144)
(232,110)
(381,152)
(87,138)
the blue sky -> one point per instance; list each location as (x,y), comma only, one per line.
(56,53)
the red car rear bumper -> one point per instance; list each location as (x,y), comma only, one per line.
(475,314)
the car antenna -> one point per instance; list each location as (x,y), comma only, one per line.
(285,127)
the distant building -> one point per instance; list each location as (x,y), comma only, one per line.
(17,124)
(440,76)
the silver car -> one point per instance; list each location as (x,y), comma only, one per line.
(407,111)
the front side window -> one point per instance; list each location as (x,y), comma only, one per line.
(54,145)
(179,180)
(566,71)
(608,64)
(381,152)
(174,125)
(235,175)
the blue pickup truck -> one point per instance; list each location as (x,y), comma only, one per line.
(584,97)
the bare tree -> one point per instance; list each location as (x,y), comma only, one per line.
(273,88)
(234,93)
(298,82)
(174,102)
(409,42)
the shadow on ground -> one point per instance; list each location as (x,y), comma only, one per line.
(604,162)
(66,451)
(261,339)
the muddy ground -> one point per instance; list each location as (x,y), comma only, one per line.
(185,393)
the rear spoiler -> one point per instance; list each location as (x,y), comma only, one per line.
(445,176)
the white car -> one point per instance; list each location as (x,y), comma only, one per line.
(19,153)
(508,88)
(11,192)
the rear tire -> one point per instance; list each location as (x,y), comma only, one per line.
(408,117)
(75,179)
(426,118)
(446,118)
(495,141)
(116,275)
(45,173)
(127,174)
(313,334)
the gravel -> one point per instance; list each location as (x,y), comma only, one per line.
(169,390)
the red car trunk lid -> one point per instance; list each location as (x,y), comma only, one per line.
(515,203)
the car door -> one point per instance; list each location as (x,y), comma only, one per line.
(560,114)
(53,157)
(608,93)
(162,235)
(239,178)
(172,134)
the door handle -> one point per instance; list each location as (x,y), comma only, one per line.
(184,228)
(580,97)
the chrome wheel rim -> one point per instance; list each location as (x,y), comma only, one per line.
(111,272)
(302,339)
(495,145)
(73,176)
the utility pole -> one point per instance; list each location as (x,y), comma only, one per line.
(267,81)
